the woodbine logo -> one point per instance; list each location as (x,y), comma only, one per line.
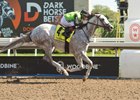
(8,65)
(72,67)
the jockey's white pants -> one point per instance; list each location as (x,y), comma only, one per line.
(65,23)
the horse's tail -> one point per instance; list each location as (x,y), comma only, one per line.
(17,43)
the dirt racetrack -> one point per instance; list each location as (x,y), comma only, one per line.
(70,89)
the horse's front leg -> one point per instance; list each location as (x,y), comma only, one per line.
(90,63)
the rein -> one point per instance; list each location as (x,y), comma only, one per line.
(104,26)
(86,35)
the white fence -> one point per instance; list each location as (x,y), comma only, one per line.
(107,39)
(6,41)
(113,43)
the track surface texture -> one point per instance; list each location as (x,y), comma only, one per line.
(70,89)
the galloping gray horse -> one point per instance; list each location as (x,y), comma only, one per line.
(43,37)
(6,11)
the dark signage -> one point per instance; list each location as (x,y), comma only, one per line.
(103,66)
(24,15)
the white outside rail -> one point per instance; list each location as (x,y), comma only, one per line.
(114,43)
(107,39)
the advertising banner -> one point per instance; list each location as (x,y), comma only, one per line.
(21,16)
(103,66)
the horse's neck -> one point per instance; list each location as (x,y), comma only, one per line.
(90,29)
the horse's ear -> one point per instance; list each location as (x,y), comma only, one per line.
(91,15)
(107,16)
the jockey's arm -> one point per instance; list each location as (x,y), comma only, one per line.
(77,22)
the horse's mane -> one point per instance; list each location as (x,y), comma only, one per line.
(90,16)
(84,25)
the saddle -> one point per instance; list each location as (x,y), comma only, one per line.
(64,34)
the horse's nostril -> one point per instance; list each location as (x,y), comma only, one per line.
(111,27)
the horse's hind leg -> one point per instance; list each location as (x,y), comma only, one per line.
(90,63)
(48,58)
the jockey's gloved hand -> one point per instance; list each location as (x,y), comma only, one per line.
(76,20)
(80,25)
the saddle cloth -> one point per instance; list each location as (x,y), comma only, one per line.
(59,35)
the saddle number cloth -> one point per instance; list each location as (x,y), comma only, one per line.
(59,34)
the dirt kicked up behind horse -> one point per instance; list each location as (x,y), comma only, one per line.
(43,37)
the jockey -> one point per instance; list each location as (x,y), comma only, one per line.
(72,19)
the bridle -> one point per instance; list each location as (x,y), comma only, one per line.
(98,19)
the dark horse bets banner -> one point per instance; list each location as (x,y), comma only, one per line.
(31,13)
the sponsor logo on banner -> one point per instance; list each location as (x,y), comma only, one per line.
(72,67)
(31,13)
(7,31)
(134,31)
(52,9)
(29,7)
(9,65)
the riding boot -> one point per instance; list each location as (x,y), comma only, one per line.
(68,31)
(67,35)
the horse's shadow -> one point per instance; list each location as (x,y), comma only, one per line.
(17,81)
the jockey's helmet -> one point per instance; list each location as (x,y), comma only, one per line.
(84,13)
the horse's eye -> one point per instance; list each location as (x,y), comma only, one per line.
(102,19)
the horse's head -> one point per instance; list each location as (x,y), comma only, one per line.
(7,11)
(101,21)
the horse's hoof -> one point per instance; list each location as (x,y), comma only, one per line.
(62,71)
(84,79)
(65,73)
